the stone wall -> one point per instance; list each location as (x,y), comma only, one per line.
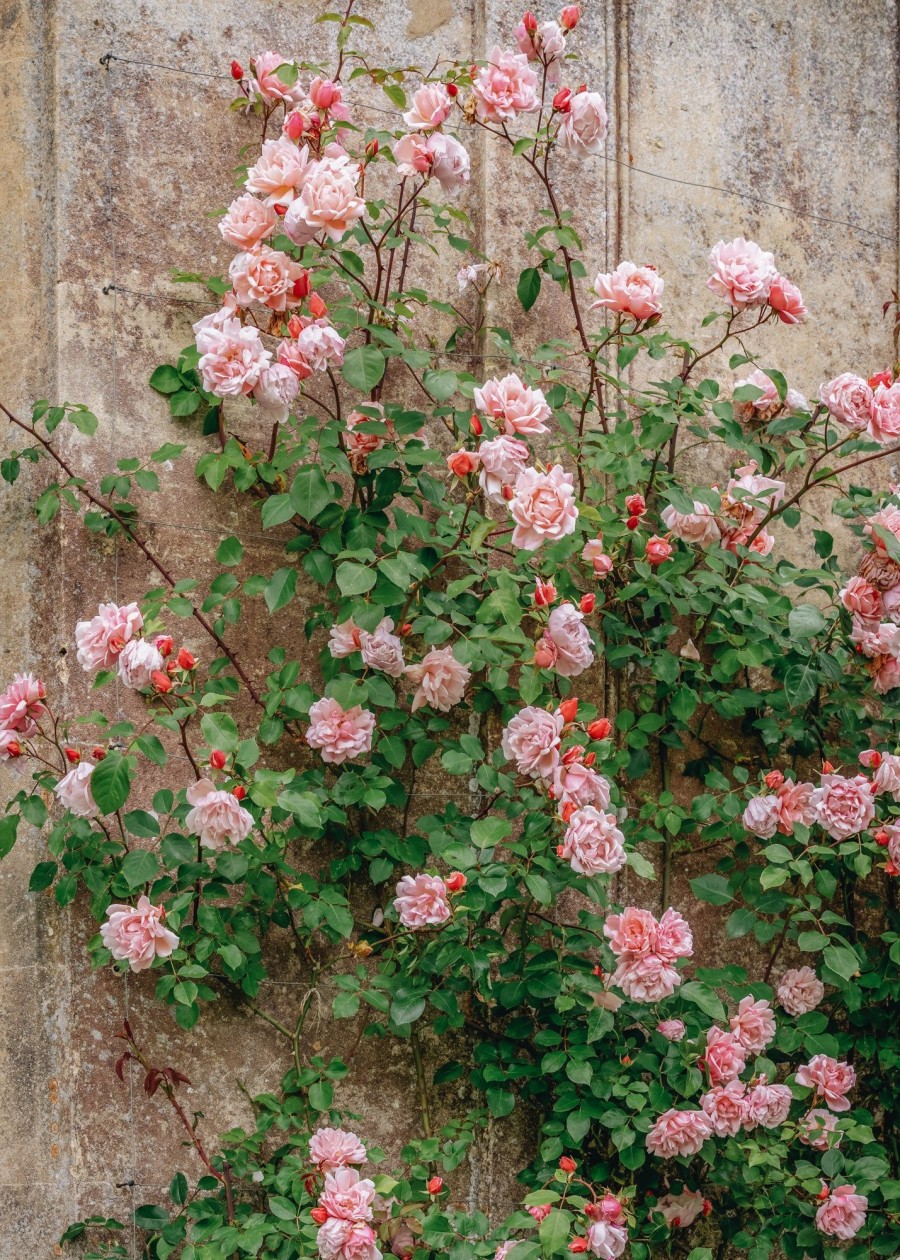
(108,176)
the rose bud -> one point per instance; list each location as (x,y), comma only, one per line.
(237,71)
(14,748)
(572,755)
(875,760)
(578,1245)
(456,881)
(239,792)
(543,657)
(508,493)
(774,779)
(452,89)
(625,1060)
(186,659)
(587,603)
(529,21)
(599,728)
(164,645)
(301,287)
(824,1192)
(323,93)
(98,752)
(461,463)
(827,767)
(434,1185)
(880,378)
(602,565)
(475,425)
(881,836)
(568,810)
(594,1211)
(598,971)
(544,593)
(570,17)
(562,101)
(891,869)
(590,759)
(310,1184)
(567,1164)
(73,756)
(406,629)
(295,326)
(636,505)
(540,1212)
(171,667)
(658,550)
(707,1207)
(632,522)
(569,709)
(294,125)
(560,850)
(161,682)
(372,149)
(217,759)
(319,1215)
(317,306)
(280,208)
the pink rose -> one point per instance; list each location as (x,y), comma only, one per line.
(629,290)
(849,399)
(592,552)
(761,816)
(319,345)
(888,518)
(360,1243)
(328,201)
(800,990)
(347,1195)
(680,1210)
(887,675)
(646,979)
(543,507)
(268,85)
(339,734)
(607,1240)
(331,1237)
(893,846)
(844,807)
(678,1133)
(532,740)
(514,405)
(275,391)
(422,901)
(815,1129)
(450,163)
(585,126)
(137,934)
(360,445)
(10,745)
(674,938)
(505,87)
(217,817)
(631,932)
(794,806)
(440,678)
(20,703)
(208,329)
(74,791)
(335,1148)
(579,785)
(501,459)
(657,551)
(891,604)
(787,301)
(101,639)
(413,155)
(264,275)
(137,662)
(830,1080)
(431,105)
(568,641)
(843,1213)
(327,97)
(247,222)
(671,1029)
(382,650)
(724,1105)
(753,1025)
(875,639)
(725,1056)
(884,418)
(546,44)
(860,598)
(289,355)
(887,773)
(752,495)
(742,273)
(280,171)
(698,526)
(236,357)
(593,844)
(767,1105)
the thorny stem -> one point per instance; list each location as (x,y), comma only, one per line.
(421,1086)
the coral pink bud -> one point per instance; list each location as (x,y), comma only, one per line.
(543,657)
(186,659)
(280,207)
(570,17)
(636,505)
(434,1185)
(880,378)
(294,125)
(301,288)
(98,752)
(560,850)
(881,837)
(891,869)
(562,101)
(406,629)
(456,881)
(171,667)
(658,550)
(316,306)
(529,21)
(707,1207)
(372,149)
(572,755)
(590,759)
(164,644)
(774,779)
(544,593)
(73,756)
(475,425)
(217,759)
(461,463)
(319,1215)
(569,709)
(239,792)
(568,810)
(508,493)
(587,603)
(823,1193)
(323,93)
(625,1060)
(578,1245)
(540,1212)
(295,327)
(237,71)
(452,89)
(827,767)
(310,1184)
(567,1164)
(599,728)
(14,748)
(875,760)
(161,682)
(633,522)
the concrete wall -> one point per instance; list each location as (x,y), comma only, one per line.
(107,177)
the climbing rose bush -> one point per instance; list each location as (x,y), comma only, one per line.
(516,581)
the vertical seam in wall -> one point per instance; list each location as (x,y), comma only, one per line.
(896,98)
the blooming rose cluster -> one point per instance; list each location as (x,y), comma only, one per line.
(422,901)
(426,150)
(21,705)
(344,1212)
(745,276)
(746,503)
(870,408)
(872,598)
(646,952)
(138,934)
(216,816)
(768,403)
(781,810)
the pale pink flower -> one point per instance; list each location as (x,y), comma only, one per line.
(328,201)
(431,105)
(698,527)
(767,1105)
(671,1029)
(505,87)
(585,125)
(678,1133)
(629,290)
(74,791)
(680,1210)
(724,1105)
(754,495)
(844,807)
(331,1238)
(320,345)
(275,391)
(232,365)
(725,1056)
(887,775)
(875,639)
(761,816)
(606,1240)
(514,405)
(887,675)
(247,221)
(20,703)
(742,272)
(339,734)
(800,990)
(843,1213)
(347,1195)
(469,274)
(382,650)
(632,932)
(450,164)
(830,1079)
(505,1248)
(884,419)
(893,846)
(101,639)
(568,641)
(440,678)
(138,934)
(579,785)
(279,172)
(335,1148)
(593,844)
(674,938)
(532,740)
(137,661)
(787,300)
(501,460)
(289,355)
(815,1129)
(264,275)
(593,554)
(888,518)
(546,44)
(849,399)
(268,85)
(208,329)
(891,603)
(326,96)
(217,817)
(422,901)
(543,507)
(646,979)
(794,806)
(360,1243)
(861,599)
(753,1025)
(413,155)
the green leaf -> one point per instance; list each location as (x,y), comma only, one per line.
(150,1216)
(280,589)
(529,287)
(110,783)
(841,960)
(355,579)
(703,997)
(184,403)
(166,379)
(800,683)
(42,876)
(554,1231)
(487,832)
(152,749)
(220,731)
(277,510)
(310,493)
(363,367)
(230,551)
(805,620)
(8,827)
(139,867)
(711,888)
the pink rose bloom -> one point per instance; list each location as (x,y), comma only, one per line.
(247,221)
(74,791)
(678,1133)
(680,1210)
(884,418)
(887,676)
(724,1105)
(327,97)
(893,847)
(831,1080)
(360,445)
(232,365)
(698,527)
(800,990)
(208,329)
(761,816)
(413,155)
(382,650)
(264,275)
(742,273)
(629,290)
(607,1240)
(440,678)
(592,552)
(891,604)
(753,1025)
(543,507)
(769,398)
(674,938)
(546,44)
(347,1195)
(569,641)
(331,1238)
(875,639)
(266,82)
(514,405)
(861,599)
(20,703)
(502,459)
(585,126)
(843,1213)
(794,806)
(505,87)
(756,495)
(360,1243)
(431,105)
(422,901)
(849,399)
(889,519)
(787,300)
(844,807)
(593,844)
(450,163)
(137,661)
(328,201)
(276,390)
(816,1128)
(289,356)
(320,346)
(505,1248)
(632,932)
(671,1029)
(280,171)
(725,1057)
(767,1105)
(101,639)
(137,934)
(531,739)
(887,775)
(339,734)
(579,785)
(647,979)
(335,1148)
(217,817)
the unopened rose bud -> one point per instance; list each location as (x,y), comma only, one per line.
(587,603)
(590,759)
(632,522)
(707,1207)
(570,17)
(161,682)
(237,71)
(186,659)
(875,760)
(827,767)
(164,645)
(452,89)
(599,728)
(636,505)
(568,810)
(593,1210)
(301,287)
(508,493)
(319,1215)
(239,792)
(539,1212)
(562,101)
(543,657)
(602,565)
(582,87)
(323,93)
(316,306)
(544,593)
(14,748)
(610,1206)
(774,779)
(572,755)
(456,881)
(294,125)
(567,1164)
(310,1184)
(560,850)
(434,1185)
(891,869)
(73,756)
(461,463)
(98,752)
(475,425)
(280,208)
(658,550)
(823,1193)
(625,1060)
(171,666)
(569,709)
(529,21)
(372,149)
(882,838)
(406,629)
(217,759)
(295,325)
(880,378)
(578,1245)
(598,971)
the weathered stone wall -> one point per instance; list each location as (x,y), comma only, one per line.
(108,176)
